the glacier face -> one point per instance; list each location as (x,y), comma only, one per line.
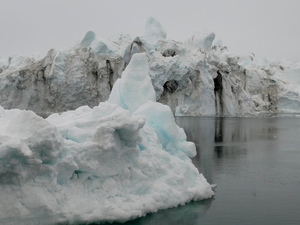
(105,163)
(59,82)
(184,76)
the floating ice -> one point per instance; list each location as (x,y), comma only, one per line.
(97,164)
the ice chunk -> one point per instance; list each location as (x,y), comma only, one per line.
(203,41)
(98,46)
(29,147)
(135,86)
(88,39)
(160,118)
(154,31)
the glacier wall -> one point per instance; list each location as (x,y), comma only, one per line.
(60,81)
(197,77)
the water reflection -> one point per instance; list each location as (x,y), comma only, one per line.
(230,136)
(253,161)
(219,136)
(219,129)
(220,139)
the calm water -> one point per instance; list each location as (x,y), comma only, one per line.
(255,163)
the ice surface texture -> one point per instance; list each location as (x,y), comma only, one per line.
(107,163)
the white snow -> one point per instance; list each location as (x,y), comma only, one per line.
(97,164)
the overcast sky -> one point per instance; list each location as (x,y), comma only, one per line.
(268,28)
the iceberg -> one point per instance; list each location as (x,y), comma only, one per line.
(114,162)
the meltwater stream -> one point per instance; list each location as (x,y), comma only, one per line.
(255,163)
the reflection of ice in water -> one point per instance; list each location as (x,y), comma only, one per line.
(225,138)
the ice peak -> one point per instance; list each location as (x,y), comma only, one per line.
(88,39)
(203,41)
(154,31)
(135,86)
(98,46)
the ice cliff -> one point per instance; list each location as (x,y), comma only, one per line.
(116,161)
(196,77)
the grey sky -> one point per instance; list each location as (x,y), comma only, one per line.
(268,28)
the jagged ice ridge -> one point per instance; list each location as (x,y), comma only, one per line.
(198,77)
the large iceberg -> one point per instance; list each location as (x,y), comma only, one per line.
(113,162)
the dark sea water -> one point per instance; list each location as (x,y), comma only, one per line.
(255,163)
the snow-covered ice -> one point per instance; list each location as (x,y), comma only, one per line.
(107,163)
